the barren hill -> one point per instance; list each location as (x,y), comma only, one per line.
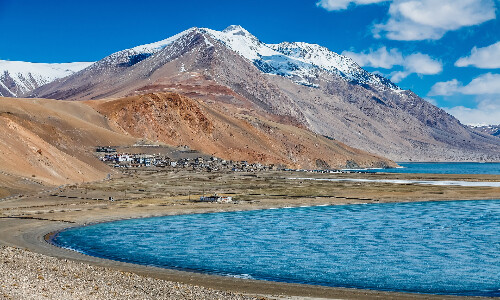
(51,142)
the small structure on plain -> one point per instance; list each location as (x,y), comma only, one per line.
(216,198)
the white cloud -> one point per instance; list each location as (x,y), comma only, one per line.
(487,89)
(430,19)
(421,64)
(486,112)
(445,14)
(332,5)
(485,58)
(486,84)
(397,76)
(380,58)
(446,88)
(411,20)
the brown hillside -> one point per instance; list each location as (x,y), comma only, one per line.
(51,141)
(224,131)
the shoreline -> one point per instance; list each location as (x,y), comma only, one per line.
(29,233)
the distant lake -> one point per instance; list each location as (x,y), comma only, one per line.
(424,247)
(444,168)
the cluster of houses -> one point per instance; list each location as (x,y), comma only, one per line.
(128,160)
(110,156)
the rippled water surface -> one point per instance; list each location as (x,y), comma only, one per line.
(445,168)
(427,247)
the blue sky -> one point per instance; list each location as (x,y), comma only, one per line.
(447,51)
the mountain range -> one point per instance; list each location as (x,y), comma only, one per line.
(18,78)
(294,84)
(488,129)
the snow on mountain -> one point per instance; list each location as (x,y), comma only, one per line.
(19,77)
(134,55)
(324,58)
(262,56)
(488,129)
(299,61)
(155,47)
(240,40)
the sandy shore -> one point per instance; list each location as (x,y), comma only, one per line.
(25,222)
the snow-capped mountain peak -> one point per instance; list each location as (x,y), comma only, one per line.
(236,30)
(299,61)
(19,77)
(241,41)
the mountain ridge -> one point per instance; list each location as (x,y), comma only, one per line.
(271,57)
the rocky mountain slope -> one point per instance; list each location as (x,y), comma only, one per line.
(292,83)
(18,78)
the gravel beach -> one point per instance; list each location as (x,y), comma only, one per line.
(28,275)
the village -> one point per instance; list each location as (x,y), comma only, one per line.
(110,156)
(118,159)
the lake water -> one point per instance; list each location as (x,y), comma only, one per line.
(426,247)
(404,181)
(445,168)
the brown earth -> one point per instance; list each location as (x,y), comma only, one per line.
(228,132)
(51,142)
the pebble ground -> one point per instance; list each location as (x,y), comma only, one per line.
(27,275)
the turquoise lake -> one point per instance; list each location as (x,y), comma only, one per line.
(444,168)
(424,247)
